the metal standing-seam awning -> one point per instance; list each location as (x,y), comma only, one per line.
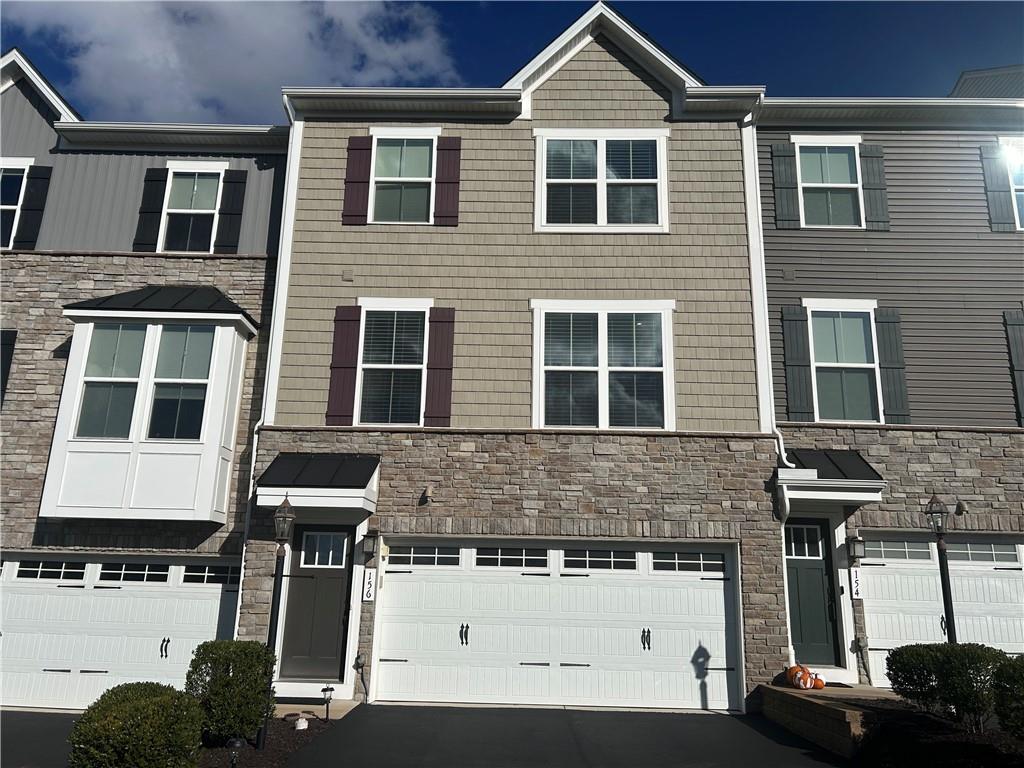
(320,480)
(836,476)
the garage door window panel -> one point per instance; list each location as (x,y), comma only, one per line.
(56,570)
(511,557)
(981,552)
(135,572)
(211,574)
(424,555)
(599,559)
(697,562)
(897,550)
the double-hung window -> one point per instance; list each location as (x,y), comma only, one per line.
(12,191)
(179,389)
(112,371)
(402,188)
(190,206)
(844,360)
(603,364)
(1013,154)
(828,174)
(392,361)
(601,181)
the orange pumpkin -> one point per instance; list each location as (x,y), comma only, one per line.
(800,676)
(818,683)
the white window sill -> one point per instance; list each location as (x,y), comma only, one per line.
(602,230)
(828,226)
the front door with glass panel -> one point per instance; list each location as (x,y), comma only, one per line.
(812,605)
(316,609)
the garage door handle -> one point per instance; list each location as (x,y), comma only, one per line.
(942,624)
(163,647)
(645,639)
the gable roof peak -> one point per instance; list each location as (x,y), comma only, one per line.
(15,65)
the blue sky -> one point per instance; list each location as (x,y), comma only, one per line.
(226,62)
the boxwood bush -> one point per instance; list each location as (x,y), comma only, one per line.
(231,680)
(955,681)
(1009,695)
(142,725)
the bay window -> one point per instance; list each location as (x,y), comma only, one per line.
(601,181)
(603,365)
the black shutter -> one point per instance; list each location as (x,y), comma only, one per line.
(876,199)
(148,231)
(344,361)
(37,185)
(446,188)
(229,216)
(797,356)
(997,189)
(438,409)
(1015,337)
(7,339)
(357,180)
(787,201)
(891,366)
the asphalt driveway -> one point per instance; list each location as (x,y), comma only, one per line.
(388,736)
(34,739)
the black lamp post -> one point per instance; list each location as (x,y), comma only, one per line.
(937,513)
(284,516)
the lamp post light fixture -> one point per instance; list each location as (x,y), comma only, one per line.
(328,693)
(284,517)
(938,513)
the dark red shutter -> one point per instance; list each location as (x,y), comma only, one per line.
(438,409)
(344,360)
(446,192)
(357,180)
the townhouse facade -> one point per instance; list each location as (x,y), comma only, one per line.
(586,390)
(135,267)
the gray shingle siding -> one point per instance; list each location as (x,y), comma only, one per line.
(949,275)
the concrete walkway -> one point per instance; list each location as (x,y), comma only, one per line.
(392,736)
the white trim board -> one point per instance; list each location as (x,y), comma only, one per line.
(405,132)
(217,318)
(55,100)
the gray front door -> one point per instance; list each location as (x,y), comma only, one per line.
(812,606)
(316,611)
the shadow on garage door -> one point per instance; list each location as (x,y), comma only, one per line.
(393,736)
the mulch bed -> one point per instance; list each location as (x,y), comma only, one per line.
(903,737)
(282,741)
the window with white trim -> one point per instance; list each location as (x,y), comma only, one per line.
(981,551)
(180,380)
(111,380)
(829,180)
(51,569)
(13,172)
(323,549)
(844,362)
(703,562)
(211,574)
(1013,154)
(392,369)
(607,180)
(423,554)
(512,557)
(190,207)
(402,184)
(600,559)
(890,549)
(803,542)
(605,369)
(148,572)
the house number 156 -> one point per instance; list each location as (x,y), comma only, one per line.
(369,584)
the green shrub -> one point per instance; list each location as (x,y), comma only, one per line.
(1009,695)
(955,681)
(231,680)
(912,672)
(142,725)
(966,673)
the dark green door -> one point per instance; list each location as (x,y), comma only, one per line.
(316,607)
(812,608)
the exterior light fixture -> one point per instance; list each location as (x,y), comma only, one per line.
(855,548)
(284,516)
(328,693)
(937,513)
(370,543)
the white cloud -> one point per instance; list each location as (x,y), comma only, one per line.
(226,62)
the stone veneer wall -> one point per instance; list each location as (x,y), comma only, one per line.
(689,486)
(982,467)
(35,287)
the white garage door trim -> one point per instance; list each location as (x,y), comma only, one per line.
(69,634)
(640,676)
(903,599)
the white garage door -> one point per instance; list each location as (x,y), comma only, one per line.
(903,596)
(586,627)
(72,629)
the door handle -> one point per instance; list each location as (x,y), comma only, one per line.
(462,634)
(467,634)
(163,647)
(942,624)
(645,639)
